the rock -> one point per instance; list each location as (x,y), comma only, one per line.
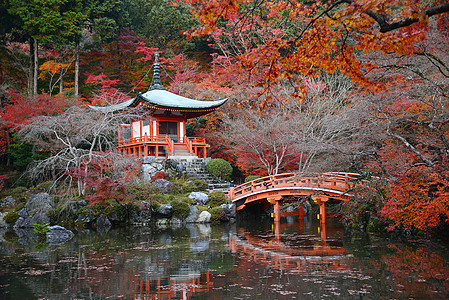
(41,202)
(58,235)
(204,217)
(229,210)
(199,197)
(76,205)
(164,186)
(181,169)
(3,224)
(165,211)
(162,223)
(86,218)
(141,213)
(38,218)
(21,223)
(23,213)
(102,224)
(9,202)
(150,167)
(193,215)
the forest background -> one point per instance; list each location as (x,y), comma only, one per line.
(358,86)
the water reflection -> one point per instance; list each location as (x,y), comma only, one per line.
(252,260)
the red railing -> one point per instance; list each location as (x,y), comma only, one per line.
(141,140)
(341,182)
(188,144)
(170,144)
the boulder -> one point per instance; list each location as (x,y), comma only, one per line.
(76,205)
(193,215)
(41,202)
(164,186)
(204,217)
(8,202)
(3,224)
(149,168)
(58,235)
(102,224)
(165,211)
(141,213)
(229,210)
(38,218)
(199,197)
(23,213)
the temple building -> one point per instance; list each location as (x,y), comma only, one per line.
(162,132)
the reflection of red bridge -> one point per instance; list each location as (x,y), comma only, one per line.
(274,190)
(280,255)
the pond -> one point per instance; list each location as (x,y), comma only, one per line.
(251,259)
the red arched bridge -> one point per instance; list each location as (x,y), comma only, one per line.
(278,189)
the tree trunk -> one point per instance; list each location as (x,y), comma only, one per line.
(61,73)
(31,74)
(36,67)
(77,68)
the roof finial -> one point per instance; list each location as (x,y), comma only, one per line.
(156,74)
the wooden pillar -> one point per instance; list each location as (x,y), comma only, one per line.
(156,151)
(145,149)
(323,212)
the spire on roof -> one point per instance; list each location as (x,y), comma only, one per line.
(156,74)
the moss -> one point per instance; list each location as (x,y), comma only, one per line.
(45,186)
(216,213)
(196,185)
(180,208)
(11,217)
(217,198)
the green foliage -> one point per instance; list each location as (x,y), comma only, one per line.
(44,186)
(220,168)
(196,185)
(181,207)
(216,213)
(141,191)
(217,198)
(23,154)
(11,217)
(252,177)
(19,193)
(41,229)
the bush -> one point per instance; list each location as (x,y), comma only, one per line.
(196,185)
(158,175)
(44,187)
(220,168)
(11,217)
(216,213)
(180,208)
(217,198)
(140,191)
(252,177)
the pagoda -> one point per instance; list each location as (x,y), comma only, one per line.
(161,132)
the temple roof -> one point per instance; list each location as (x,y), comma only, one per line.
(158,98)
(162,99)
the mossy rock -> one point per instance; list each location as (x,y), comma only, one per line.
(181,208)
(11,217)
(216,213)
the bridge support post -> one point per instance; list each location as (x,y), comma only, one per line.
(323,212)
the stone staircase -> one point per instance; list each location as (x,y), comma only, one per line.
(197,168)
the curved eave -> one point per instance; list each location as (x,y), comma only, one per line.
(165,101)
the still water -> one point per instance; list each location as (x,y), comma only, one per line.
(247,260)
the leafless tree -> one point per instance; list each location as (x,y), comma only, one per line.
(75,139)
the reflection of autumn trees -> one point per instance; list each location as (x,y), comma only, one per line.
(417,272)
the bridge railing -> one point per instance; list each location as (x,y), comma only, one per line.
(336,181)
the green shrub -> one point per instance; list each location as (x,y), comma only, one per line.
(252,177)
(216,213)
(220,168)
(11,217)
(196,185)
(140,191)
(217,198)
(180,208)
(41,229)
(44,186)
(178,187)
(19,193)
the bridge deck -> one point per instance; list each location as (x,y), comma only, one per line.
(270,190)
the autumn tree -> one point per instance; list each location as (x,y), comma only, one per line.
(76,139)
